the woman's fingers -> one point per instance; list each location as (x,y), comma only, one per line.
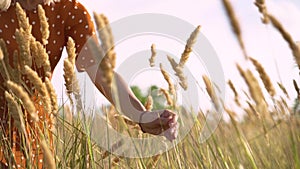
(171,133)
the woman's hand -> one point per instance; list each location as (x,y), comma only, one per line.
(162,122)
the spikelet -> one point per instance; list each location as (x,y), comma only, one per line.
(16,112)
(71,84)
(236,95)
(287,37)
(53,96)
(24,97)
(70,78)
(69,65)
(22,19)
(182,79)
(102,32)
(48,156)
(179,73)
(263,10)
(149,103)
(109,31)
(235,25)
(168,97)
(40,56)
(188,47)
(255,90)
(211,92)
(23,40)
(168,79)
(264,77)
(108,62)
(283,89)
(40,87)
(71,50)
(296,88)
(172,62)
(153,55)
(44,25)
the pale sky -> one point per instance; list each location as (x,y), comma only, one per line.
(262,42)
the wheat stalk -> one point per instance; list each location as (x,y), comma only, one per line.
(168,79)
(188,47)
(287,37)
(236,95)
(168,97)
(153,55)
(53,96)
(149,103)
(24,97)
(44,25)
(22,19)
(23,39)
(263,10)
(264,77)
(254,89)
(16,112)
(211,91)
(40,87)
(71,50)
(235,25)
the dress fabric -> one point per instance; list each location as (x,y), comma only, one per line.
(67,18)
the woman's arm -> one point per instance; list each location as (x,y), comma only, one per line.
(125,101)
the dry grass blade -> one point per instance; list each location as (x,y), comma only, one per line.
(16,112)
(44,25)
(48,156)
(287,37)
(188,47)
(264,77)
(235,25)
(24,97)
(153,55)
(168,79)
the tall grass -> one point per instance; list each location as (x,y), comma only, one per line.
(267,137)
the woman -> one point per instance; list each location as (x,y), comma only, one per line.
(69,18)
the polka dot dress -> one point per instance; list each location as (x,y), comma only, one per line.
(67,18)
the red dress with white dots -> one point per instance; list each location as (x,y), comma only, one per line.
(67,18)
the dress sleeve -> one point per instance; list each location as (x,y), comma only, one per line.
(79,26)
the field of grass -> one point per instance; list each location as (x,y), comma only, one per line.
(268,136)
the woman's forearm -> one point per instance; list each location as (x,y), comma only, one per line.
(119,94)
